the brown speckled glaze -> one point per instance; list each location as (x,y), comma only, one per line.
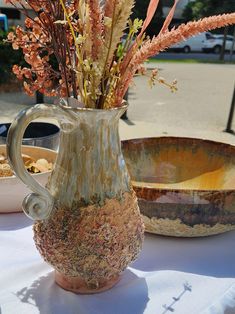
(88,224)
(185,186)
(92,242)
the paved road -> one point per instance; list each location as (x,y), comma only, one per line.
(193,55)
(199,108)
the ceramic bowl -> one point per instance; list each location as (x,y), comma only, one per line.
(185,186)
(40,134)
(12,190)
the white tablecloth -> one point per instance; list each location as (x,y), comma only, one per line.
(171,275)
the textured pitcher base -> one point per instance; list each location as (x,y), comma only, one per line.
(79,285)
(93,242)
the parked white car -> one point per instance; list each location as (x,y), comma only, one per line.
(215,44)
(195,43)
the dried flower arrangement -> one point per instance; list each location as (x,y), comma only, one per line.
(85,36)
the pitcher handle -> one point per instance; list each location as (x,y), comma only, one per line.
(37,205)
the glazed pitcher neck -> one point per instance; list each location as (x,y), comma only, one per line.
(90,165)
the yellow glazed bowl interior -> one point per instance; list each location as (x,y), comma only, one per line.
(12,190)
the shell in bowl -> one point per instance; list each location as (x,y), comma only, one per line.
(12,190)
(185,186)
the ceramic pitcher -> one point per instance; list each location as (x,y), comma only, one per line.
(87,222)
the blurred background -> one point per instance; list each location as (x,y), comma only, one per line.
(204,67)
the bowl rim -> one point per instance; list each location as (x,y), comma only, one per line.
(29,139)
(183,138)
(33,174)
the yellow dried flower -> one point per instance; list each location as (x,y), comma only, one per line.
(80,39)
(107,21)
(61,22)
(86,65)
(137,24)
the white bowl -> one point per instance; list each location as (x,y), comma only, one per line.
(12,189)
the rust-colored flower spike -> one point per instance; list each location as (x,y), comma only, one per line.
(97,27)
(166,39)
(93,62)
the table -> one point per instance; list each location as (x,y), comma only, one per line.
(171,275)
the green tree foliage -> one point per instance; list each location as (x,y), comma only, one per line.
(200,8)
(8,57)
